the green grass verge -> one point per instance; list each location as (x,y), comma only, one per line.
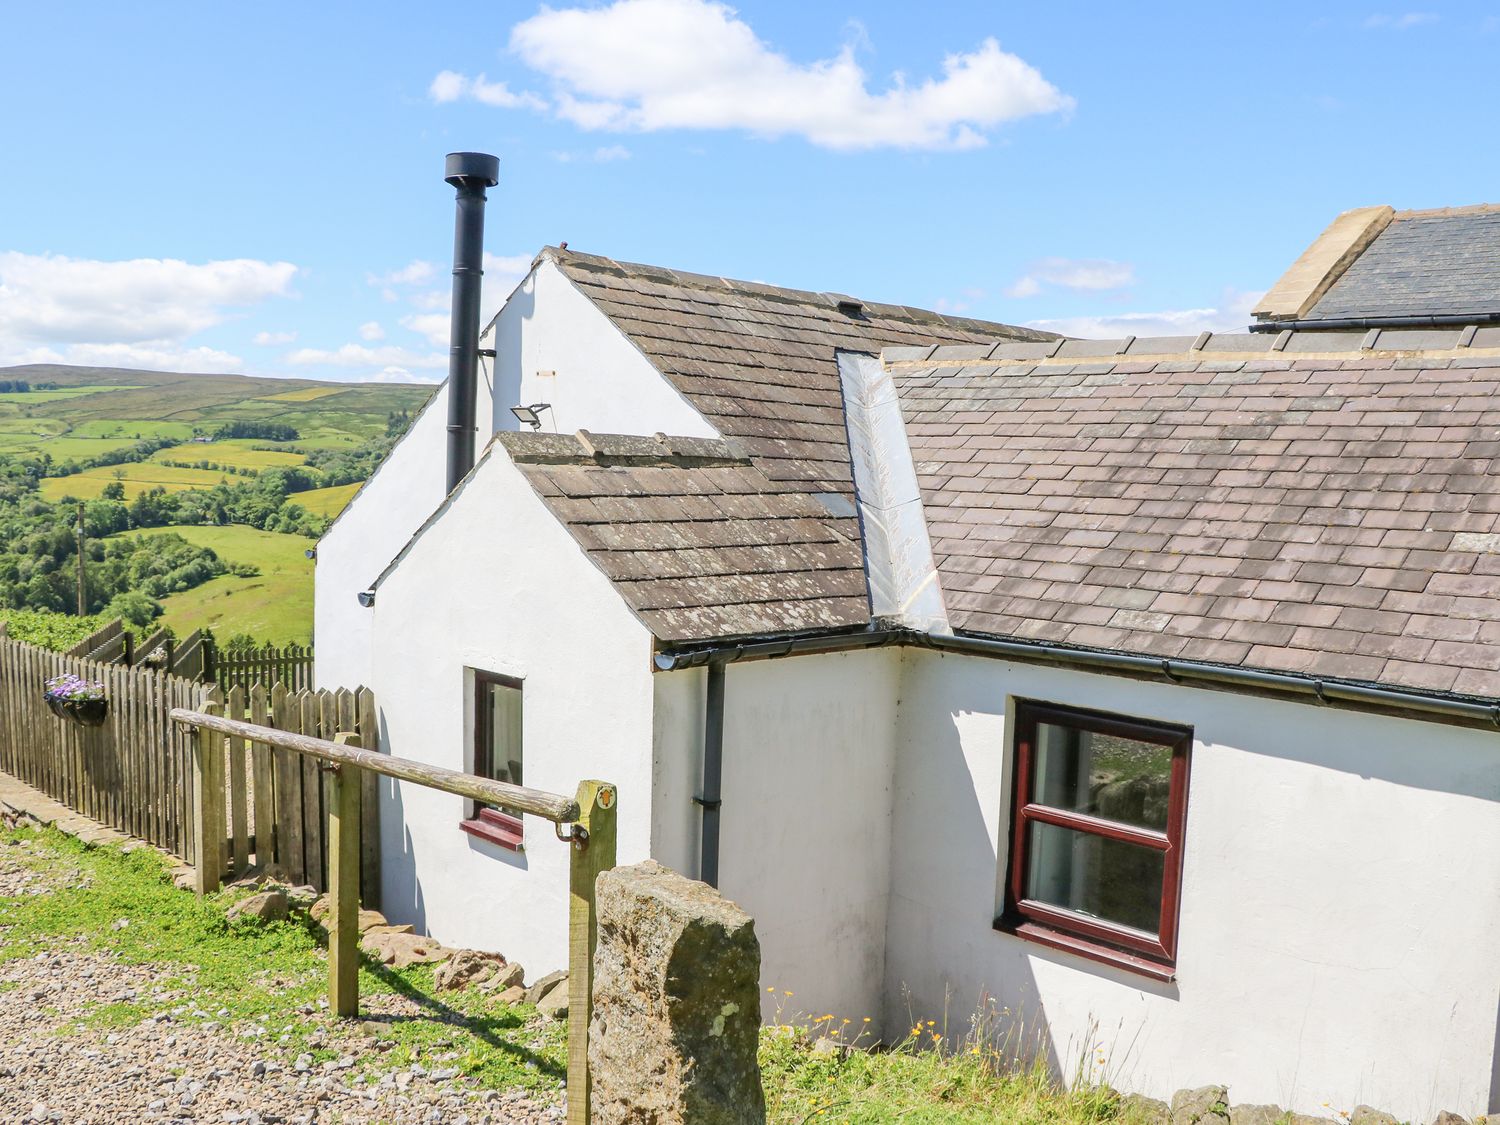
(276,605)
(252,975)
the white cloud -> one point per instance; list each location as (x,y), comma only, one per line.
(645,65)
(50,299)
(415,272)
(273,339)
(146,355)
(1232,314)
(1403,22)
(371,330)
(361,355)
(450,86)
(435,326)
(605,154)
(396,374)
(1078,274)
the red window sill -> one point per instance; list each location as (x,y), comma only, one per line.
(1086,948)
(495,828)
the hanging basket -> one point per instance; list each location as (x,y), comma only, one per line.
(57,707)
(89,712)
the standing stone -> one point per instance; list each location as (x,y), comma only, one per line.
(676,1004)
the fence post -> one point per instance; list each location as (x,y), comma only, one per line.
(592,853)
(344,783)
(208,801)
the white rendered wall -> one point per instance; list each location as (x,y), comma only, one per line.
(601,381)
(495,583)
(805,830)
(1341,897)
(407,487)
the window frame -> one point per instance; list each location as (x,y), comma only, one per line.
(1100,940)
(488,823)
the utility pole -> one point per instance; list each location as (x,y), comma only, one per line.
(83,599)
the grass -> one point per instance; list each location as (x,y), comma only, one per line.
(276,605)
(250,975)
(326,501)
(136,476)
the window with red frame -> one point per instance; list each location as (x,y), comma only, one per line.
(497,754)
(1096,843)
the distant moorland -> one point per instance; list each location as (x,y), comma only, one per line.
(200,493)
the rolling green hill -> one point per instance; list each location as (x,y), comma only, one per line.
(294,457)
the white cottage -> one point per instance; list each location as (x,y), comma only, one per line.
(1145,687)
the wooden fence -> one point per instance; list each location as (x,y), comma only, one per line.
(108,643)
(132,773)
(278,801)
(291,665)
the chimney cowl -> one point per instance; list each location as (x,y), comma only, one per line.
(461,166)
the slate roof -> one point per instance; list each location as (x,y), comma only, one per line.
(1436,263)
(1318,509)
(758,360)
(698,540)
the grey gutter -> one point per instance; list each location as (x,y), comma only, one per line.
(1301,688)
(1434,320)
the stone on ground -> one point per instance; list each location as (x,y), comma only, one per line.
(535,993)
(268,906)
(1206,1104)
(466,967)
(401,950)
(676,1004)
(554,1005)
(509,976)
(1148,1111)
(1368,1115)
(1255,1114)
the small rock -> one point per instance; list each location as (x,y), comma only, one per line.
(1366,1115)
(543,986)
(1255,1114)
(268,906)
(554,1005)
(401,950)
(510,976)
(258,1069)
(303,1063)
(515,994)
(826,1046)
(1206,1104)
(1447,1118)
(1142,1110)
(466,967)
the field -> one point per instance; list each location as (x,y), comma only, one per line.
(275,606)
(238,453)
(326,501)
(137,477)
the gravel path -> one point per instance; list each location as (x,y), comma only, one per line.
(170,1069)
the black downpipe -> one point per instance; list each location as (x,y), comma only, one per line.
(711,798)
(469,173)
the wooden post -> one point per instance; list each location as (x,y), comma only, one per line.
(597,801)
(343,882)
(208,804)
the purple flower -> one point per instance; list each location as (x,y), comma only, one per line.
(72,688)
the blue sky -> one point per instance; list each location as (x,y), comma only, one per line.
(258,187)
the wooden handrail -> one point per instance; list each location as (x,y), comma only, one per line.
(550,806)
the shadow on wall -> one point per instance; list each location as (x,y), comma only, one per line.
(400,889)
(507,375)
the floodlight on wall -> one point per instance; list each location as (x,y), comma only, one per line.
(531,415)
(311,552)
(367,598)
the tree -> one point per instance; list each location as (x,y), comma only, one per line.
(135,607)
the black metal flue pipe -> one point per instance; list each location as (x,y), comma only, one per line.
(470,173)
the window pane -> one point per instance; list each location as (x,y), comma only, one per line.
(1095,876)
(1103,775)
(499,754)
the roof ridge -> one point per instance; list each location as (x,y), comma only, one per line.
(611,450)
(1445,212)
(906,313)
